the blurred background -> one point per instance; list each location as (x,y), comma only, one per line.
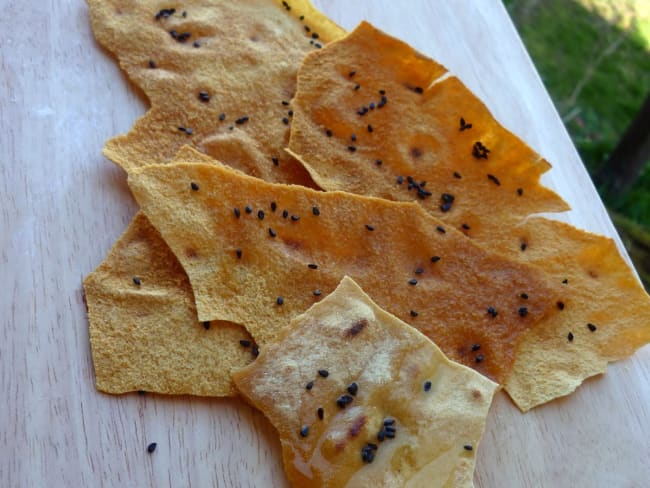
(594,58)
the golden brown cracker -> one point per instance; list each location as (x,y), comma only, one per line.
(144,332)
(375,117)
(258,254)
(216,74)
(603,313)
(392,411)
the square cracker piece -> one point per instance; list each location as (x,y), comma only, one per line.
(392,411)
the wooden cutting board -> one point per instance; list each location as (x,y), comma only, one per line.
(62,205)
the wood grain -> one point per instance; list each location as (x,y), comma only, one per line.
(62,205)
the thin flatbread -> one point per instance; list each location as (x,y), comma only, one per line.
(144,332)
(216,73)
(258,254)
(392,411)
(603,313)
(373,116)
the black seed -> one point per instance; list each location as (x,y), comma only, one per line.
(237,212)
(352,73)
(174,34)
(464,125)
(362,111)
(445,207)
(304,431)
(479,151)
(389,434)
(285,121)
(204,96)
(475,347)
(315,35)
(295,218)
(370,227)
(419,271)
(413,313)
(238,252)
(274,206)
(400,180)
(353,388)
(309,385)
(260,214)
(194,186)
(312,266)
(196,44)
(357,86)
(389,421)
(524,296)
(435,259)
(285,213)
(413,281)
(272,233)
(418,89)
(370,129)
(245,343)
(441,229)
(468,447)
(151,447)
(323,372)
(352,148)
(570,336)
(492,311)
(344,400)
(465,226)
(222,117)
(427,386)
(494,179)
(290,113)
(380,435)
(320,412)
(371,105)
(353,137)
(315,211)
(206,325)
(248,209)
(189,132)
(560,305)
(379,162)
(328,133)
(457,175)
(302,17)
(447,198)
(152,64)
(523,246)
(390,429)
(523,311)
(307,29)
(165,13)
(275,160)
(479,358)
(285,103)
(136,281)
(241,120)
(255,351)
(520,191)
(317,293)
(279,300)
(565,281)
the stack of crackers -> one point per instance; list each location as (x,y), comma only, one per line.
(335,228)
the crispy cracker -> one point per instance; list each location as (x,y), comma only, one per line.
(416,133)
(146,336)
(262,272)
(241,57)
(390,363)
(596,287)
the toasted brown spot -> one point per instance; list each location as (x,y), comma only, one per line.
(476,394)
(190,252)
(356,328)
(293,244)
(593,273)
(358,424)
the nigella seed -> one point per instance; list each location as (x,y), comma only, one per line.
(413,282)
(241,120)
(315,211)
(194,186)
(389,421)
(285,213)
(206,325)
(419,271)
(468,447)
(479,358)
(317,293)
(591,327)
(274,206)
(275,160)
(494,180)
(570,336)
(371,105)
(357,86)
(352,148)
(323,373)
(370,227)
(379,162)
(475,347)
(245,343)
(457,175)
(492,312)
(352,73)
(435,259)
(248,209)
(427,386)
(279,300)
(204,96)
(353,388)
(523,311)
(285,121)
(381,435)
(441,229)
(400,180)
(304,431)
(328,133)
(136,281)
(238,252)
(272,233)
(524,296)
(315,35)
(370,129)
(312,266)
(255,351)
(222,117)
(520,191)
(414,313)
(295,218)
(465,226)
(237,212)
(560,305)
(152,64)
(523,246)
(260,214)
(309,385)
(285,103)
(151,447)
(353,137)
(320,412)
(344,400)
(290,113)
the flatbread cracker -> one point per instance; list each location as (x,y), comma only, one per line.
(144,332)
(375,117)
(392,411)
(603,314)
(203,59)
(258,254)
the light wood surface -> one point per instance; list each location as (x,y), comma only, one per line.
(62,205)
